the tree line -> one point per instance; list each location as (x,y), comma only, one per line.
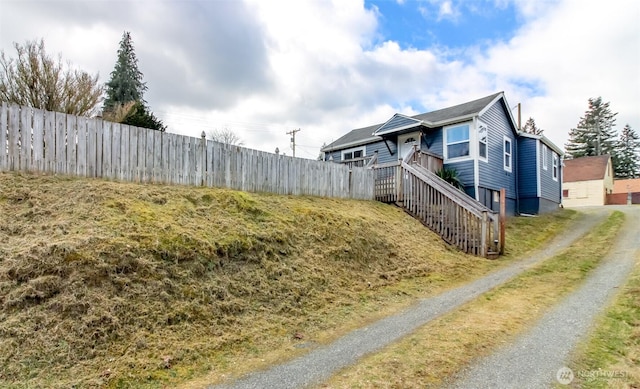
(36,79)
(595,134)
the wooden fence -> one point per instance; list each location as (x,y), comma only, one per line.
(34,140)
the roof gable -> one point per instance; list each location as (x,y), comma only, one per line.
(460,111)
(542,139)
(397,122)
(586,168)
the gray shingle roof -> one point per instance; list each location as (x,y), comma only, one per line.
(365,134)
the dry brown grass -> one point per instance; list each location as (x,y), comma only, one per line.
(118,285)
(437,351)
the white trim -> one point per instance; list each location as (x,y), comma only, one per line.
(476,167)
(538,181)
(352,150)
(478,125)
(507,109)
(486,107)
(544,140)
(555,172)
(452,121)
(445,148)
(354,143)
(415,122)
(402,138)
(504,153)
(545,157)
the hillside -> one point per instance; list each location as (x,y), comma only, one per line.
(114,284)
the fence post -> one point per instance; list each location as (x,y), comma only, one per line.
(203,159)
(483,235)
(399,181)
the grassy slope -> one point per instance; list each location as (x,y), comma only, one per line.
(432,355)
(115,284)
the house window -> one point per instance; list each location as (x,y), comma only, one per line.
(507,154)
(483,133)
(457,141)
(353,153)
(565,193)
(555,167)
(545,157)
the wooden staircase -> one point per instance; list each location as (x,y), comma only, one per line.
(460,220)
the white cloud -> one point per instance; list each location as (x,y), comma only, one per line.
(574,51)
(447,11)
(264,68)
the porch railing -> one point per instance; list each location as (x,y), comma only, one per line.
(427,160)
(457,218)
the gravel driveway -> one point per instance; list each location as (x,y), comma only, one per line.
(535,359)
(321,363)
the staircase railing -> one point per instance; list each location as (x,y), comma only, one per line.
(456,217)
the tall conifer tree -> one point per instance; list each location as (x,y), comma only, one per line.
(126,82)
(530,127)
(125,91)
(628,154)
(595,134)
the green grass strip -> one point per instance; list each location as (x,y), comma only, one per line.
(611,355)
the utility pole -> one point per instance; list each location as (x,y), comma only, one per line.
(293,140)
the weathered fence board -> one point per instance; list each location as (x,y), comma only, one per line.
(4,123)
(57,143)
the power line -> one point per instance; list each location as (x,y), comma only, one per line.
(293,140)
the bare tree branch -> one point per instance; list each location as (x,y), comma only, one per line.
(225,136)
(35,79)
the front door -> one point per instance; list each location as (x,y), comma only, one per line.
(406,142)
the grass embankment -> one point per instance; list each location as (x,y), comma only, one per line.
(119,285)
(440,349)
(610,358)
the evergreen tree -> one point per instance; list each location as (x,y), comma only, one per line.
(140,116)
(125,91)
(126,82)
(531,128)
(628,154)
(594,134)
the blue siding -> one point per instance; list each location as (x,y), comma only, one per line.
(527,176)
(370,149)
(432,141)
(397,121)
(550,189)
(337,155)
(465,172)
(491,174)
(383,153)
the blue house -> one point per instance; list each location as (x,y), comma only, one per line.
(480,140)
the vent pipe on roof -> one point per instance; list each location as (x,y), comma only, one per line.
(519,117)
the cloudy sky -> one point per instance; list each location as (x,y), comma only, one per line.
(261,68)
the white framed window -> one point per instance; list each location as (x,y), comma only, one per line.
(508,152)
(356,152)
(545,157)
(483,137)
(457,141)
(555,167)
